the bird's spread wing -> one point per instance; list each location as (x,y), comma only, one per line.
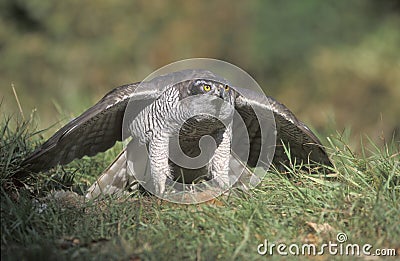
(291,133)
(94,131)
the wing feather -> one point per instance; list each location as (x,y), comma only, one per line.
(290,132)
(95,130)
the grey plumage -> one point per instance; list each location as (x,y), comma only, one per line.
(98,128)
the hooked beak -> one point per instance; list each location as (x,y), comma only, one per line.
(222,93)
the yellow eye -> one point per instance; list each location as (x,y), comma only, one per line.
(226,87)
(207,88)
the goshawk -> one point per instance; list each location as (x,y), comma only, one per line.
(168,108)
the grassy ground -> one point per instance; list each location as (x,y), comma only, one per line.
(362,201)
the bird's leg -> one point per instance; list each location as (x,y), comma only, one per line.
(220,160)
(160,169)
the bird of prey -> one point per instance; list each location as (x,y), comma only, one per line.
(166,105)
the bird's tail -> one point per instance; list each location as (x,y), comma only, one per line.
(114,180)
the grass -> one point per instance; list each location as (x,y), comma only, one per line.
(39,223)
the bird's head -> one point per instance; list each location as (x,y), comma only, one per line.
(211,87)
(209,99)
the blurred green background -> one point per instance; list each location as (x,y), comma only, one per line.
(336,64)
